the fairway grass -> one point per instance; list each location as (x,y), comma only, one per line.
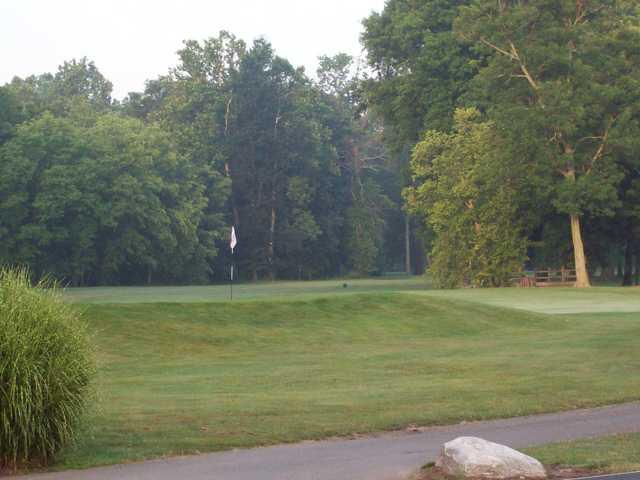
(197,377)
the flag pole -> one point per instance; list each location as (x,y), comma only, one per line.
(232,243)
(231,284)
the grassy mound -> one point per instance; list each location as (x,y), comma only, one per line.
(196,377)
(45,370)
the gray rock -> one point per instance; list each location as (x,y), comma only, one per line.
(478,458)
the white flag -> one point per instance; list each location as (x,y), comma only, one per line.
(233,241)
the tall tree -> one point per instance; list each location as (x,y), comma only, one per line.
(193,104)
(77,85)
(82,79)
(9,114)
(110,203)
(368,175)
(238,132)
(467,189)
(271,136)
(221,104)
(420,73)
(421,70)
(562,77)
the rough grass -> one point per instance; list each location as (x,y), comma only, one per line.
(196,377)
(617,453)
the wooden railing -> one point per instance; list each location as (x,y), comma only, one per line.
(547,278)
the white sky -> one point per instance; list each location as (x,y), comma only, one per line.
(135,40)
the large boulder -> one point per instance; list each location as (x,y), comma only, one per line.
(477,458)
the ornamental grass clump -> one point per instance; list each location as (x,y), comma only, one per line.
(46,370)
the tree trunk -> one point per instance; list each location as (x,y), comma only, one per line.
(620,269)
(271,238)
(627,279)
(582,276)
(407,244)
(419,260)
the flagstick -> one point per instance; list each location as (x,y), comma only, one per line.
(231,276)
(233,241)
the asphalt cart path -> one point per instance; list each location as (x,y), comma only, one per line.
(388,456)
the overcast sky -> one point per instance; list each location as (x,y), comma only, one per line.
(135,40)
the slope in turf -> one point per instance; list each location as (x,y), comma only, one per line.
(185,378)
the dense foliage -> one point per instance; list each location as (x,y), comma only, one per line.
(310,170)
(46,368)
(94,191)
(558,84)
(469,200)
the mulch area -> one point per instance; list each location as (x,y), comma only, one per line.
(555,472)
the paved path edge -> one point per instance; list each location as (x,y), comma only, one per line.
(384,456)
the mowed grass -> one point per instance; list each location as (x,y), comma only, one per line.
(197,377)
(616,453)
(542,300)
(245,291)
(553,300)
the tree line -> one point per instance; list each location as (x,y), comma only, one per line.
(481,138)
(98,191)
(519,124)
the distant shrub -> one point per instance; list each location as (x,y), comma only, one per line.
(46,369)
